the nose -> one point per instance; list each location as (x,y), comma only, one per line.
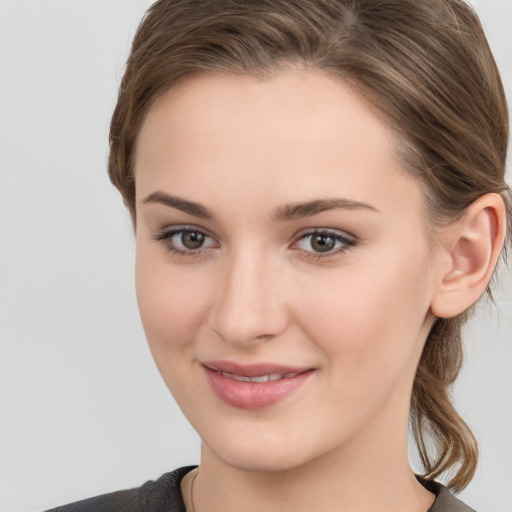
(250,305)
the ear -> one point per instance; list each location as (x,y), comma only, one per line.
(473,245)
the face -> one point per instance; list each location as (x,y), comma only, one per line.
(284,273)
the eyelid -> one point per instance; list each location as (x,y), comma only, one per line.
(347,240)
(164,236)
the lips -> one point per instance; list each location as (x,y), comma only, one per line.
(253,386)
(272,377)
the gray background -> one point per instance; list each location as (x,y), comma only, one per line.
(82,408)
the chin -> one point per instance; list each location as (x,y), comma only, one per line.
(262,454)
(260,461)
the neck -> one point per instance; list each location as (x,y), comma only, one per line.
(364,475)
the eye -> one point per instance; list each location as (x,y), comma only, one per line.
(186,240)
(323,243)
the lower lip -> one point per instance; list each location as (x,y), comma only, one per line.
(253,395)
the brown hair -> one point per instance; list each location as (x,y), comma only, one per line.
(425,65)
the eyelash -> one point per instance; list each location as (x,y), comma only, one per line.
(344,240)
(165,237)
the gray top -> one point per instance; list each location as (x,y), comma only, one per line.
(164,495)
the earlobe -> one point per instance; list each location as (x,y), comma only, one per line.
(474,245)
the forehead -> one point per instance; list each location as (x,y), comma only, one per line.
(297,134)
(315,104)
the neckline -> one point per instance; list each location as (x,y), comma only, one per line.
(444,501)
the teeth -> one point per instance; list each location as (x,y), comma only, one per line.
(241,378)
(262,378)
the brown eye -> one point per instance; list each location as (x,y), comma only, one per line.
(192,239)
(186,241)
(322,243)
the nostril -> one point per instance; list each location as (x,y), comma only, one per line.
(249,307)
(249,327)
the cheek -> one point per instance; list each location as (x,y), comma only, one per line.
(172,302)
(369,320)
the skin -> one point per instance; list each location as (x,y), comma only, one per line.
(258,292)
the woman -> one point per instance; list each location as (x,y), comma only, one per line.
(317,191)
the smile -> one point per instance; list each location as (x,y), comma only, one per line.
(252,387)
(272,377)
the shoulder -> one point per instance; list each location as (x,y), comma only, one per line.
(445,500)
(153,496)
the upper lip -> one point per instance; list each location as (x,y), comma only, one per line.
(254,369)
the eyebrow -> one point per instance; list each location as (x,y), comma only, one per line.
(190,207)
(310,208)
(284,213)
